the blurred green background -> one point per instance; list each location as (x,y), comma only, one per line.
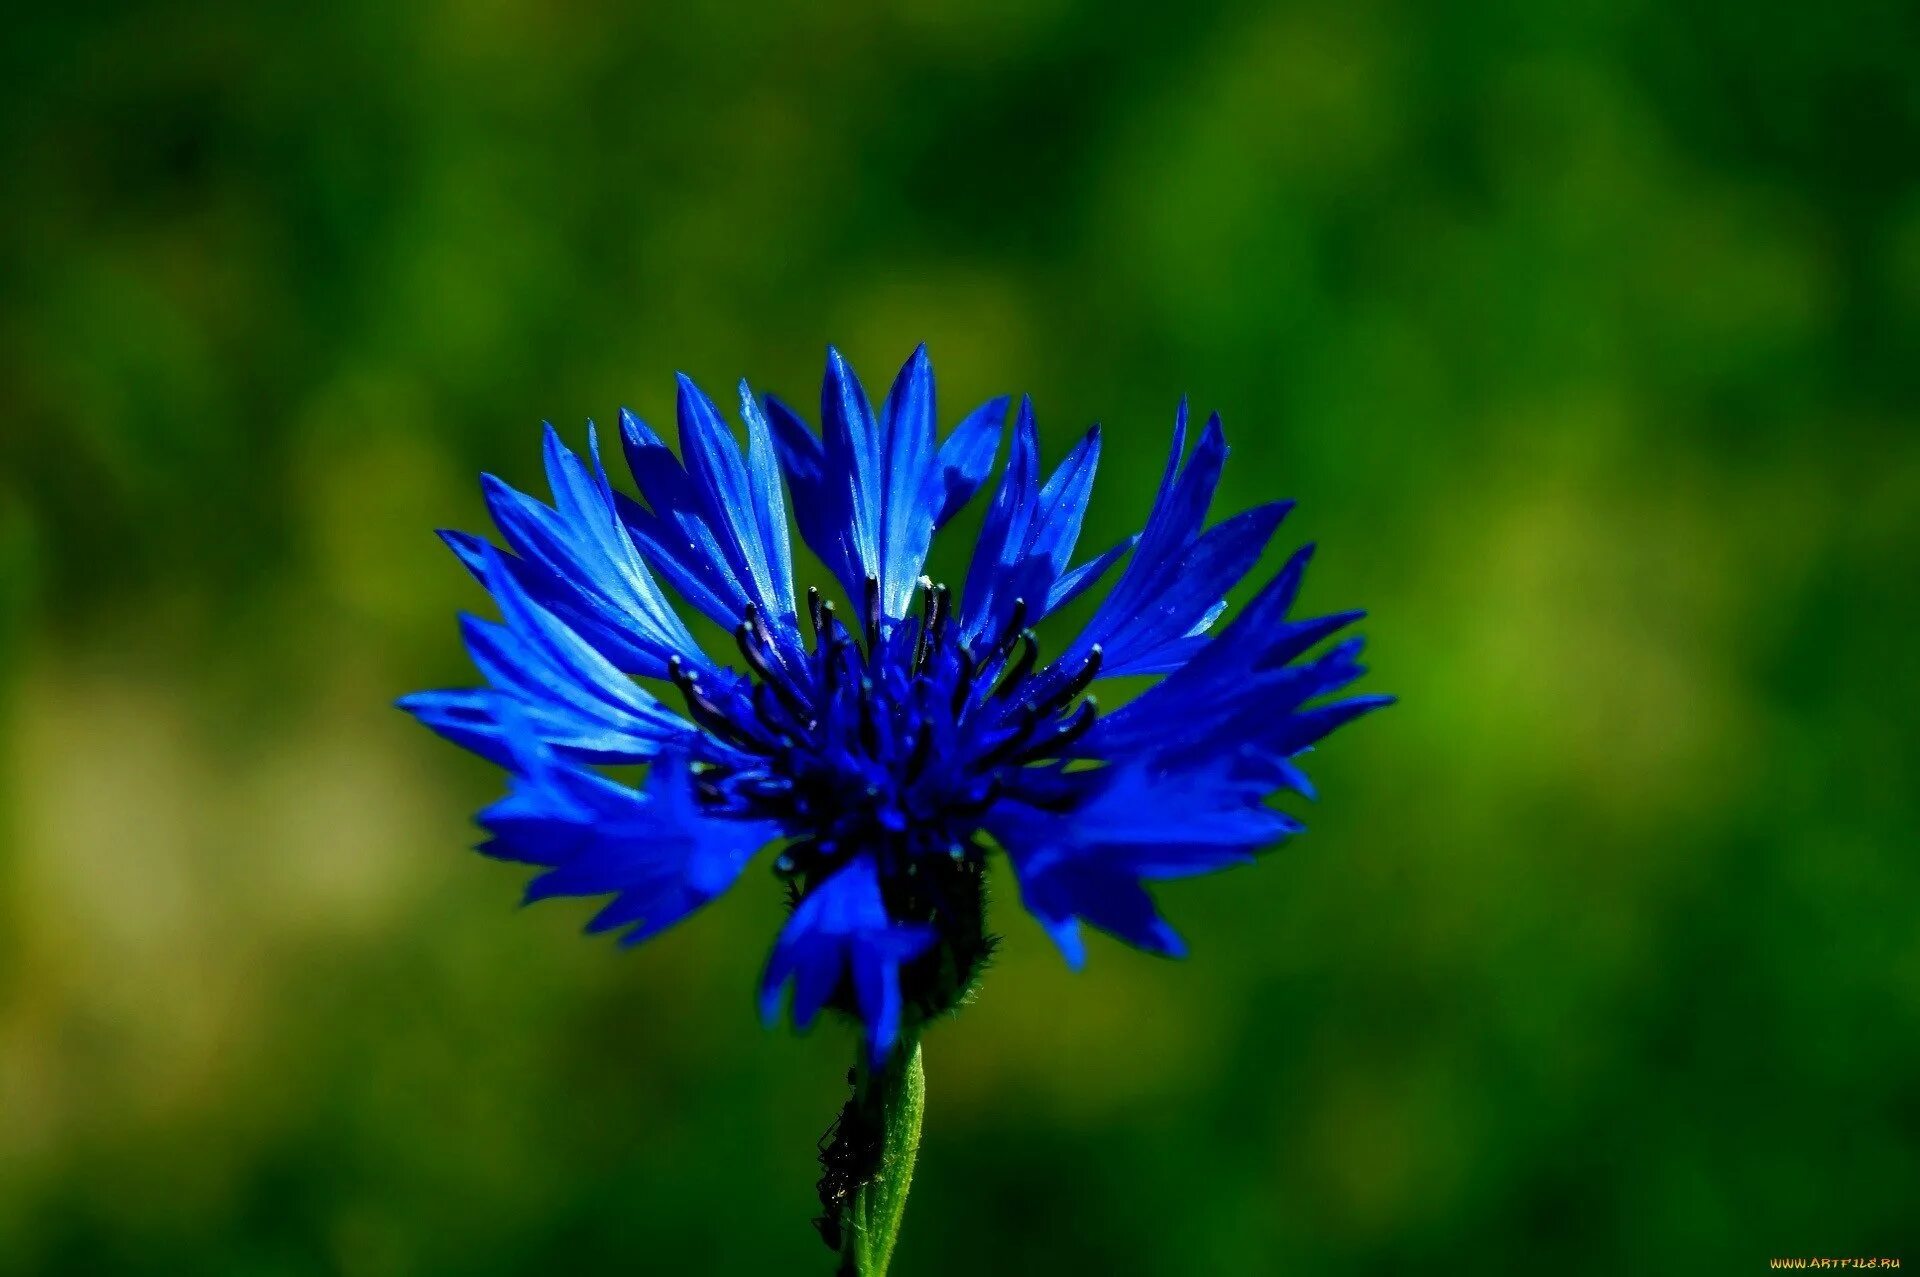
(1588,337)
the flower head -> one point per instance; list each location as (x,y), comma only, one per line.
(887,741)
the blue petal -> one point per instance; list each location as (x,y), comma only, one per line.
(614,637)
(577,560)
(658,853)
(1186,596)
(852,477)
(466,716)
(912,493)
(819,510)
(1029,535)
(840,929)
(1175,584)
(1075,582)
(966,458)
(1132,823)
(1055,528)
(741,499)
(671,529)
(987,600)
(573,696)
(869,490)
(1241,692)
(717,526)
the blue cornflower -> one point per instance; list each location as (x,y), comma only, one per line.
(888,743)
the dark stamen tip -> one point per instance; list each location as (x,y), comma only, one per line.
(873,614)
(1023,666)
(814,610)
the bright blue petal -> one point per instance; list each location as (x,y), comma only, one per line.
(572,695)
(614,636)
(853,475)
(576,559)
(870,490)
(912,492)
(746,513)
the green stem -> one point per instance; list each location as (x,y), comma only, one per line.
(895,1096)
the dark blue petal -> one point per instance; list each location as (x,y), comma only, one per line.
(1179,596)
(658,853)
(841,930)
(990,592)
(1108,899)
(819,508)
(1073,583)
(966,458)
(1132,823)
(1179,512)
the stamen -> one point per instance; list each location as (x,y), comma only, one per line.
(1029,653)
(873,618)
(1068,732)
(1016,625)
(963,683)
(829,662)
(758,623)
(756,643)
(708,714)
(1013,743)
(939,608)
(1062,695)
(933,624)
(844,749)
(784,717)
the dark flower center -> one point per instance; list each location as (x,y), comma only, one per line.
(889,742)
